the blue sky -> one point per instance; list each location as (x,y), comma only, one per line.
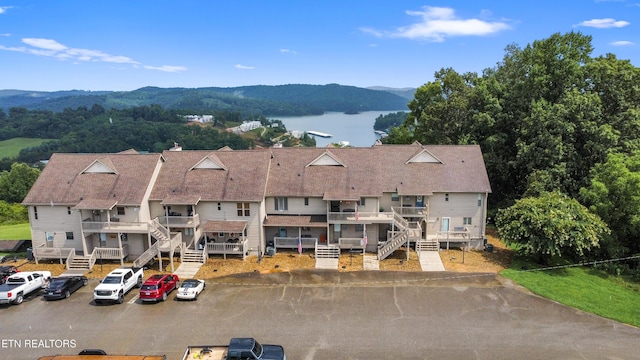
(126,45)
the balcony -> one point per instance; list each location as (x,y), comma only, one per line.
(410,211)
(362,217)
(114,226)
(178,221)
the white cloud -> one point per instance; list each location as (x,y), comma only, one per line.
(621,43)
(5,34)
(243,67)
(438,23)
(167,68)
(54,49)
(46,44)
(3,9)
(604,23)
(288,51)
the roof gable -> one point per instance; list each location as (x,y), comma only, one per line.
(326,159)
(100,166)
(210,161)
(424,156)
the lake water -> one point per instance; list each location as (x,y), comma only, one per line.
(357,129)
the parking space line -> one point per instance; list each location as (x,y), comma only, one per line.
(132,301)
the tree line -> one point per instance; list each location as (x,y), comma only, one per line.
(559,132)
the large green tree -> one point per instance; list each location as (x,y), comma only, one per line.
(551,224)
(15,184)
(614,194)
(547,108)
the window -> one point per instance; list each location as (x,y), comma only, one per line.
(243,209)
(306,201)
(446,197)
(49,236)
(395,197)
(120,210)
(466,221)
(359,227)
(479,199)
(188,231)
(35,212)
(69,210)
(361,202)
(69,235)
(281,204)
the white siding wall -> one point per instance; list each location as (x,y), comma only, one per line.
(57,221)
(296,206)
(459,206)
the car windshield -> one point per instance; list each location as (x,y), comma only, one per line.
(189,284)
(111,280)
(149,287)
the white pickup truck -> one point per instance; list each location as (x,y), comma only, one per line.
(117,283)
(22,284)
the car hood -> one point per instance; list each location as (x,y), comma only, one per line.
(108,287)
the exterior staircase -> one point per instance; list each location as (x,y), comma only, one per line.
(146,256)
(194,256)
(427,245)
(79,262)
(397,240)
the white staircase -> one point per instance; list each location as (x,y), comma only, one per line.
(79,262)
(193,256)
(397,240)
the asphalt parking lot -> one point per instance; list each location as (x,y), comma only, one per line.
(326,315)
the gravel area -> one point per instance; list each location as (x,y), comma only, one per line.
(454,260)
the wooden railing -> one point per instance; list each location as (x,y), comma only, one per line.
(70,257)
(292,242)
(351,243)
(180,221)
(239,248)
(327,252)
(115,226)
(111,253)
(149,254)
(411,211)
(350,217)
(43,252)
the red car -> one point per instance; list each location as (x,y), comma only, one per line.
(157,287)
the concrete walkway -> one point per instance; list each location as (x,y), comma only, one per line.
(187,270)
(430,261)
(371,262)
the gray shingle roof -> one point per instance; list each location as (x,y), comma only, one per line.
(374,170)
(243,178)
(62,180)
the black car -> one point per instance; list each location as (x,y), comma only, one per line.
(5,272)
(63,287)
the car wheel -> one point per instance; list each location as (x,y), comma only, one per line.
(164,296)
(120,298)
(67,294)
(85,282)
(18,299)
(139,282)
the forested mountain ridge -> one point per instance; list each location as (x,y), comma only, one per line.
(292,99)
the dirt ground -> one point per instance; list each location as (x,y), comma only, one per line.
(454,260)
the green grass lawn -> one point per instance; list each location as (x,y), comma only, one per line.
(11,148)
(583,288)
(15,232)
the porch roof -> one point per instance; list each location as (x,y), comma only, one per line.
(181,199)
(296,220)
(95,204)
(230,226)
